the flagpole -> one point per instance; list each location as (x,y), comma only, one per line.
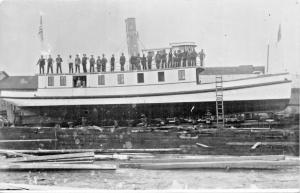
(268,53)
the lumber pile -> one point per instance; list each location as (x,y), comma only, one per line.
(72,161)
(236,162)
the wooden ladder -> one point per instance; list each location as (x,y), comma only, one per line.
(219,101)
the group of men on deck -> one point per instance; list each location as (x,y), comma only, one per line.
(166,60)
(161,58)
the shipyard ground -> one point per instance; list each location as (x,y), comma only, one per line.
(230,141)
(160,179)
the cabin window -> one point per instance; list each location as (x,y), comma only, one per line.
(140,77)
(181,74)
(101,79)
(79,81)
(120,78)
(161,76)
(50,80)
(63,81)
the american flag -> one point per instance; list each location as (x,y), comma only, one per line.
(41,33)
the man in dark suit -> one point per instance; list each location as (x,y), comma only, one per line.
(41,64)
(104,61)
(112,63)
(84,62)
(49,64)
(58,63)
(122,61)
(92,64)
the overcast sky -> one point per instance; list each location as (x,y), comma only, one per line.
(232,32)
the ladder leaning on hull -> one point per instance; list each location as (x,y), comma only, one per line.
(219,101)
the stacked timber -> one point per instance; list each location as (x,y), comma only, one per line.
(72,161)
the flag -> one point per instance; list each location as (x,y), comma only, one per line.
(279,34)
(41,32)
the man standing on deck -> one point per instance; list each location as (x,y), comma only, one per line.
(112,63)
(194,57)
(164,59)
(170,57)
(131,67)
(179,55)
(175,60)
(104,61)
(149,58)
(157,60)
(122,61)
(41,64)
(98,63)
(84,62)
(50,64)
(92,64)
(185,57)
(202,56)
(77,63)
(138,62)
(58,63)
(144,62)
(70,62)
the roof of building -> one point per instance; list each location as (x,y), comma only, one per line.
(19,83)
(3,75)
(247,69)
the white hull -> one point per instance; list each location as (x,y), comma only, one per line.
(269,87)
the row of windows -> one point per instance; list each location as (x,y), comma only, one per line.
(120,78)
(140,77)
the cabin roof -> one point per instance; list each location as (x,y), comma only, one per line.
(19,83)
(247,69)
(177,44)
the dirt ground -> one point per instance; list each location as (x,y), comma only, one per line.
(160,179)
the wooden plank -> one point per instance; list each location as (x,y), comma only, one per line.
(53,157)
(55,166)
(202,145)
(61,151)
(210,159)
(14,153)
(26,140)
(273,143)
(69,162)
(111,157)
(256,145)
(253,164)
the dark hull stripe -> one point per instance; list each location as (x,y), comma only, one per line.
(154,94)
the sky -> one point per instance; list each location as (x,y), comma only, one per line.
(231,32)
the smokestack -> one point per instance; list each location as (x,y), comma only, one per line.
(132,37)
